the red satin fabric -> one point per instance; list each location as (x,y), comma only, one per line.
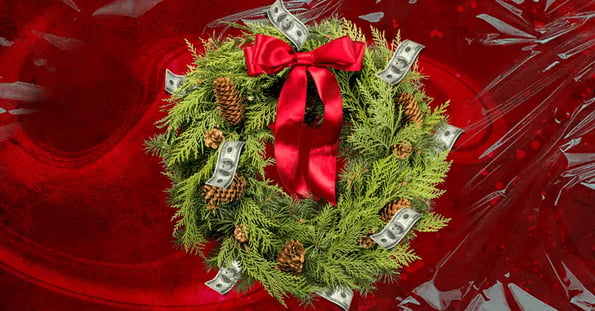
(270,55)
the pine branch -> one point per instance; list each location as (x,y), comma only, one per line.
(432,222)
(403,255)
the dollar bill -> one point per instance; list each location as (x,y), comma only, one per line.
(340,296)
(288,24)
(173,81)
(227,163)
(226,278)
(446,136)
(397,228)
(399,64)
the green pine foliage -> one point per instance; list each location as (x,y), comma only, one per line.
(371,177)
(432,222)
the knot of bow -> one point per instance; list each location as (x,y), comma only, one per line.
(306,158)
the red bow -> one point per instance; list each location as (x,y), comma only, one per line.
(270,55)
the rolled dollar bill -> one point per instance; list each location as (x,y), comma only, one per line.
(397,228)
(401,62)
(340,296)
(288,24)
(227,163)
(226,278)
(173,81)
(446,136)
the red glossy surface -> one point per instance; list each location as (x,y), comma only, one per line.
(83,219)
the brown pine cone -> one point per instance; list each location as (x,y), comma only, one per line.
(402,151)
(240,233)
(366,241)
(229,101)
(213,138)
(411,111)
(388,211)
(215,195)
(291,258)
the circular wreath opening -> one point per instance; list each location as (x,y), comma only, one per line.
(300,246)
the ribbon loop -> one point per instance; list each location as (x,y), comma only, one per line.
(270,55)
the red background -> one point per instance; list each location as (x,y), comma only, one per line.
(83,219)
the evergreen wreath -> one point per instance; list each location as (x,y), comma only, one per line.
(300,246)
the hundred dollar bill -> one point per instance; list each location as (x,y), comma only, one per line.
(399,64)
(226,278)
(227,162)
(288,24)
(173,81)
(397,228)
(446,135)
(339,296)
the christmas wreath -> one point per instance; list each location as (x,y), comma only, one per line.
(290,230)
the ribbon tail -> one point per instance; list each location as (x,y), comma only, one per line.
(322,169)
(288,127)
(305,145)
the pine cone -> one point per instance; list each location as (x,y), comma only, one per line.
(402,151)
(229,101)
(411,111)
(215,195)
(240,233)
(366,241)
(291,258)
(388,211)
(213,138)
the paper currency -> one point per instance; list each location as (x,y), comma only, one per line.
(226,278)
(399,64)
(446,136)
(227,162)
(397,228)
(339,296)
(173,81)
(288,24)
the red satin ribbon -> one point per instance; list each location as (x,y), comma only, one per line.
(270,55)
